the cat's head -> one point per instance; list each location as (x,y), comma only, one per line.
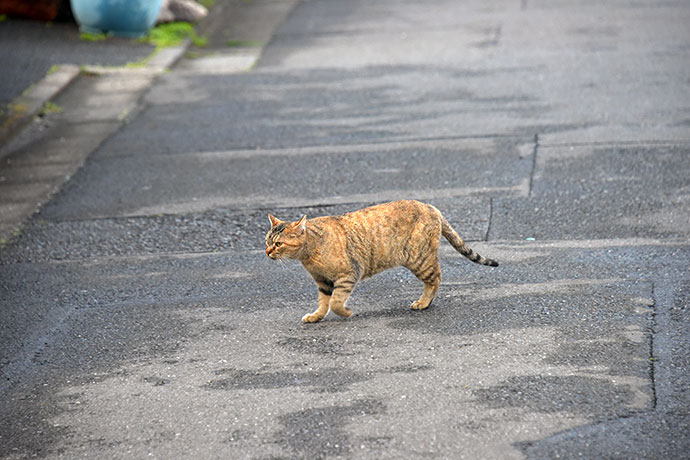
(285,239)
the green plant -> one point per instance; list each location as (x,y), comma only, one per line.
(243,43)
(89,37)
(142,62)
(207,3)
(28,89)
(18,107)
(87,72)
(50,107)
(3,17)
(193,55)
(173,34)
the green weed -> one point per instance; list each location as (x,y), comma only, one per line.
(173,34)
(142,62)
(194,55)
(243,43)
(89,37)
(50,107)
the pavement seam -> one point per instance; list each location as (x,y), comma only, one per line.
(652,359)
(250,151)
(666,397)
(534,165)
(491,215)
(659,357)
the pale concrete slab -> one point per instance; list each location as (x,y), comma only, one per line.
(231,179)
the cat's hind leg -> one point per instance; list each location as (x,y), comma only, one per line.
(429,273)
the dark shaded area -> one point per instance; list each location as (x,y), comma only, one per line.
(87,348)
(38,10)
(323,380)
(593,397)
(319,344)
(318,433)
(653,436)
(320,380)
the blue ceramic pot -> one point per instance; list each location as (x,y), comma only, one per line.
(126,18)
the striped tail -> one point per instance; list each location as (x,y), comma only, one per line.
(455,240)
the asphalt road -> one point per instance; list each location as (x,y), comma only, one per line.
(140,318)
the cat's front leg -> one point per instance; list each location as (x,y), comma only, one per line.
(342,288)
(325,291)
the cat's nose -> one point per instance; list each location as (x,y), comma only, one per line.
(268,250)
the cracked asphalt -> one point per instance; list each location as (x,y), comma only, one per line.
(140,318)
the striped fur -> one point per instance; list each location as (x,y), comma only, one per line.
(338,251)
(454,239)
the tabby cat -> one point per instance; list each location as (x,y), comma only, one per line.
(339,251)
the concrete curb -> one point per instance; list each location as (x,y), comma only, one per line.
(23,109)
(29,176)
(29,104)
(160,61)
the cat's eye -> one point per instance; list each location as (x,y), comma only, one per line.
(278,244)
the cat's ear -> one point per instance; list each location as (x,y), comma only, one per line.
(274,221)
(301,225)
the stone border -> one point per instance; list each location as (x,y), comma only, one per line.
(39,174)
(29,104)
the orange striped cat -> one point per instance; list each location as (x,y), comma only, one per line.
(339,251)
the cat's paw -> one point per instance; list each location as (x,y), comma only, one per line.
(417,305)
(311,318)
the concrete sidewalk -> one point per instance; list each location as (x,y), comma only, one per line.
(140,318)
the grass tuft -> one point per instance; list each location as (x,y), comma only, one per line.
(89,37)
(50,107)
(243,43)
(173,34)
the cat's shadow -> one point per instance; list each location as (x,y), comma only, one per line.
(440,318)
(394,312)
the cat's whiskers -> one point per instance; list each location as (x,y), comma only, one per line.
(282,264)
(264,261)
